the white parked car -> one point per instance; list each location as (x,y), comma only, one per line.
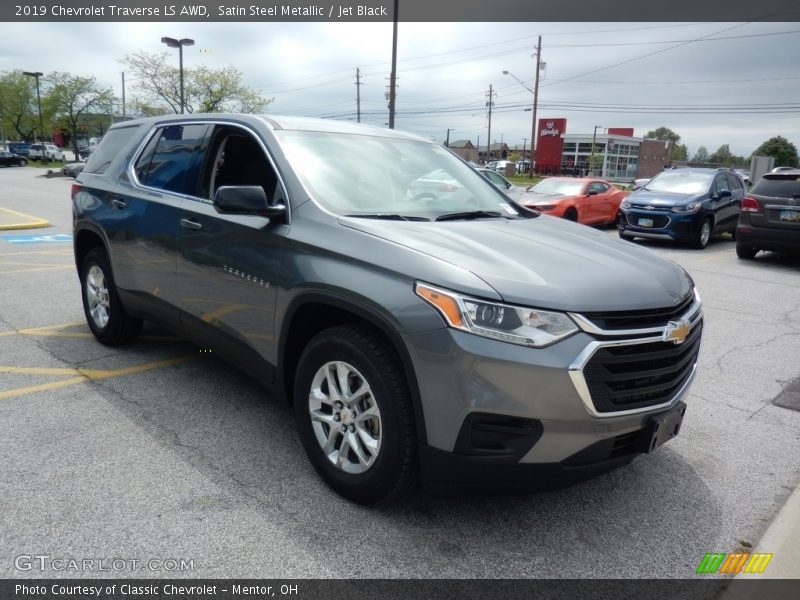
(47,152)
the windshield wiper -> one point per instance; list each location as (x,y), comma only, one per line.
(471,214)
(389,217)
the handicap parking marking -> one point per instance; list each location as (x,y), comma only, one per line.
(37,239)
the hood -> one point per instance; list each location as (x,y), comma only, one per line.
(665,199)
(543,262)
(535,198)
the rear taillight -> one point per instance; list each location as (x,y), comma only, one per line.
(750,204)
(76,187)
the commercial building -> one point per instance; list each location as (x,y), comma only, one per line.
(613,153)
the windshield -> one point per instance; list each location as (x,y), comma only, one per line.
(680,183)
(564,187)
(351,174)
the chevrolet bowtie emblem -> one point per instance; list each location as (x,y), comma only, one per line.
(676,332)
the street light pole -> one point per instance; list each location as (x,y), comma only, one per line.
(179,44)
(36,75)
(447,141)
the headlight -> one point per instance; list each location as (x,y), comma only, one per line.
(689,208)
(625,204)
(513,324)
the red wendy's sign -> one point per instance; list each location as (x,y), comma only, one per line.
(549,143)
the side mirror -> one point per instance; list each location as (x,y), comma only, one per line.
(591,193)
(245,199)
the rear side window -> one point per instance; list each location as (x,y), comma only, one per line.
(778,187)
(113,142)
(170,156)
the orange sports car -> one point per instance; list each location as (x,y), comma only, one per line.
(585,200)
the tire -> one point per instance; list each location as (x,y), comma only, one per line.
(104,312)
(380,460)
(23,162)
(703,235)
(571,215)
(746,252)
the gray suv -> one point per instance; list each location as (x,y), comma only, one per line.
(451,339)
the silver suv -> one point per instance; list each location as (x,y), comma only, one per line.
(448,338)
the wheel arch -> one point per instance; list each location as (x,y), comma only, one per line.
(85,238)
(312,312)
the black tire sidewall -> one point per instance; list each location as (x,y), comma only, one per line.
(347,344)
(120,328)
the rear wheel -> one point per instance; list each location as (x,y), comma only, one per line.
(104,312)
(23,162)
(746,252)
(354,414)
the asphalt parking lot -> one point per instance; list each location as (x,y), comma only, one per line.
(160,452)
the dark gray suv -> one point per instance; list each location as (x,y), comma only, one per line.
(451,337)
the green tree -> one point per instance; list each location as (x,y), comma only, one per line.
(73,100)
(205,89)
(784,152)
(664,134)
(19,115)
(679,151)
(701,156)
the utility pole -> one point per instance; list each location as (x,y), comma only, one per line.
(393,76)
(490,94)
(358,95)
(535,102)
(523,153)
(447,141)
(36,76)
(123,95)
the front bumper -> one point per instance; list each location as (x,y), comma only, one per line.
(666,225)
(500,413)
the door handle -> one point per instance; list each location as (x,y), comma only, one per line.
(118,203)
(189,224)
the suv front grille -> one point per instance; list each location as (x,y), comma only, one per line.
(659,221)
(640,375)
(636,319)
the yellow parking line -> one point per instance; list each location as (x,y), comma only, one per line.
(713,257)
(84,375)
(34,222)
(37,269)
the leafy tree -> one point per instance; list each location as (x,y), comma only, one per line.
(664,134)
(205,89)
(784,152)
(73,99)
(19,115)
(679,151)
(701,155)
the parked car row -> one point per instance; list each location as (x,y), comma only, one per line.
(9,159)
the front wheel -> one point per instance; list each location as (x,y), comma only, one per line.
(703,235)
(354,414)
(571,215)
(104,312)
(23,162)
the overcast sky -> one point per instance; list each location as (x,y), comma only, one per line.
(712,83)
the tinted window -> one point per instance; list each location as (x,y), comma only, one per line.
(778,187)
(235,158)
(734,182)
(165,164)
(113,142)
